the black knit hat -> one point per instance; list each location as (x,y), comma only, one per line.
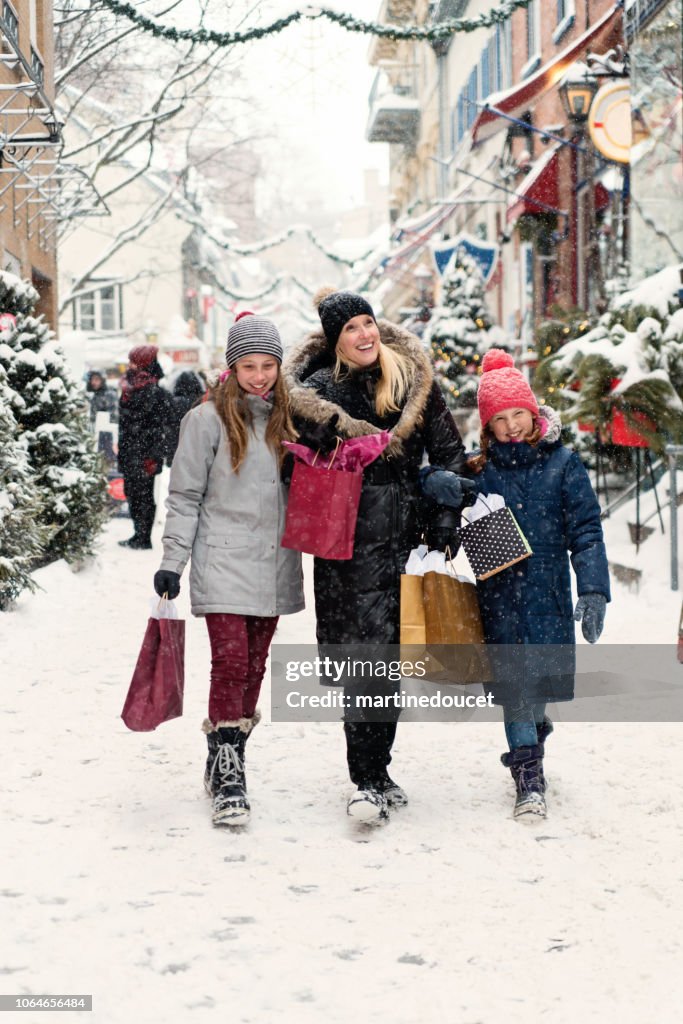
(336,309)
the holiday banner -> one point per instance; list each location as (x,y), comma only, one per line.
(484,254)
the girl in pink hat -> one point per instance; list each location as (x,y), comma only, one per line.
(530,603)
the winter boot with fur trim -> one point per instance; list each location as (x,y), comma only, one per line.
(227,782)
(210,781)
(230,803)
(526,767)
(543,729)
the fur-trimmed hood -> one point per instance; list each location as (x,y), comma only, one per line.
(551,424)
(314,354)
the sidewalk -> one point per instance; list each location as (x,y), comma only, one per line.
(114,882)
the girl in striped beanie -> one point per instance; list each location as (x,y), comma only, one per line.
(226,512)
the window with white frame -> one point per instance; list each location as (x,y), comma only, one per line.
(11,21)
(99,309)
(566,10)
(533,37)
(500,47)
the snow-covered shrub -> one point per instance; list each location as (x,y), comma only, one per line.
(51,420)
(21,537)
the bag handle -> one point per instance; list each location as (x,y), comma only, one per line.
(338,441)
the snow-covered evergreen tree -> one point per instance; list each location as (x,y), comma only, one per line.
(52,424)
(21,537)
(630,362)
(458,332)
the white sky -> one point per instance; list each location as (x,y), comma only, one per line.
(313,80)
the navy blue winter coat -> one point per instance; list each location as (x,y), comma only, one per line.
(549,492)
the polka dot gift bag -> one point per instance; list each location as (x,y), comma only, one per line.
(492,539)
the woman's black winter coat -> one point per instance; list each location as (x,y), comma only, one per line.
(357,601)
(146,418)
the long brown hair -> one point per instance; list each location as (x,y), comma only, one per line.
(233,409)
(477,462)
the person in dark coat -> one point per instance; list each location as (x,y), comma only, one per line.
(530,603)
(103,399)
(188,390)
(146,417)
(354,377)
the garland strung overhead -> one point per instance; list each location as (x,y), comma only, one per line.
(278,280)
(436,33)
(284,236)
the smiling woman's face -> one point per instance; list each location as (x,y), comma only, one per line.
(358,342)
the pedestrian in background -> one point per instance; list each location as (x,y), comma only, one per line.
(188,389)
(104,403)
(358,376)
(146,417)
(226,512)
(530,603)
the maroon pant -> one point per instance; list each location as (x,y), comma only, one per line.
(239,650)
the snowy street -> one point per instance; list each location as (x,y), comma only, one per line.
(114,882)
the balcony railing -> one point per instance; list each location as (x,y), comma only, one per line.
(394,113)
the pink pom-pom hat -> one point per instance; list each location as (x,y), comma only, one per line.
(502,386)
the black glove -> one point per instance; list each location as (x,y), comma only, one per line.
(446,488)
(287,468)
(439,539)
(441,529)
(167,583)
(590,612)
(320,437)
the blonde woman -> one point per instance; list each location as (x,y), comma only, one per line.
(226,511)
(357,376)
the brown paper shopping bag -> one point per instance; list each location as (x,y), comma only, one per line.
(441,623)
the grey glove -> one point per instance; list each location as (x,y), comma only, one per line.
(446,488)
(590,612)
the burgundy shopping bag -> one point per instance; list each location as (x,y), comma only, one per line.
(322,511)
(155,694)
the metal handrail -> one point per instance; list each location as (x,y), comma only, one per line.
(625,495)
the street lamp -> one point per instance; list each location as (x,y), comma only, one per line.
(577,90)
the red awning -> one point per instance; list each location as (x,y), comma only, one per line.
(602,197)
(539,192)
(518,98)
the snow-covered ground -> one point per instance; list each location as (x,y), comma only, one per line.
(114,882)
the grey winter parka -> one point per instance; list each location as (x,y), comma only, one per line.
(357,601)
(230,524)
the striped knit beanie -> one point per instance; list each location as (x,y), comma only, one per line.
(250,334)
